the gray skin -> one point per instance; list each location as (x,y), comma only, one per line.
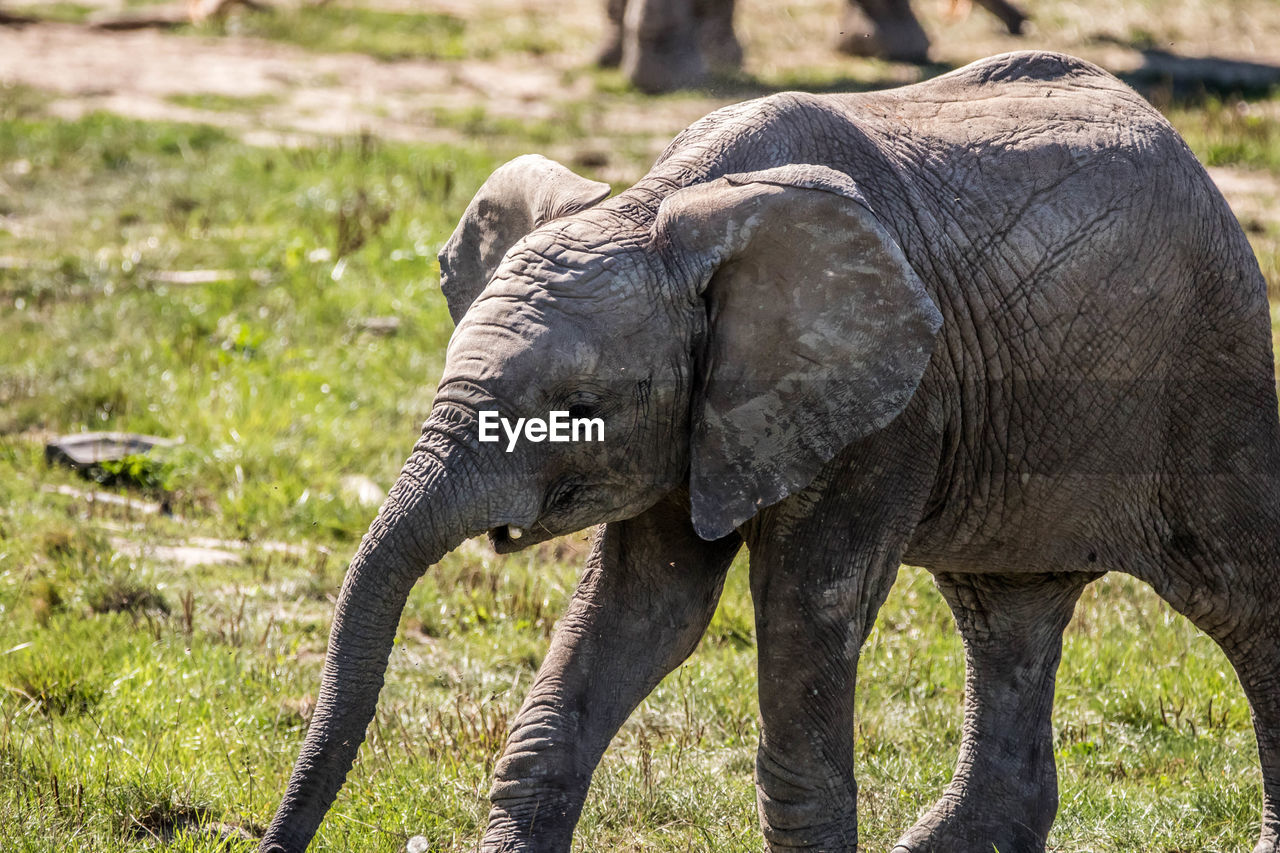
(663,45)
(1000,324)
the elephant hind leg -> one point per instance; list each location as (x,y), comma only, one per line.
(1220,567)
(1252,645)
(1004,793)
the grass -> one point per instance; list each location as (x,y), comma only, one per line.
(149,699)
(1231,131)
(248,370)
(223,103)
(390,35)
(476,123)
(148,703)
(347,29)
(70,13)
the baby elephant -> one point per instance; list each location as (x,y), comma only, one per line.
(1000,324)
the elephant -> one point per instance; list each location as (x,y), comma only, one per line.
(671,44)
(1000,324)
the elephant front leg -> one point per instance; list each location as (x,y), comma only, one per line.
(809,631)
(646,597)
(822,563)
(1004,794)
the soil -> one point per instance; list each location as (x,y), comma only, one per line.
(137,72)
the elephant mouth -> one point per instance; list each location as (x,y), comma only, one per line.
(503,542)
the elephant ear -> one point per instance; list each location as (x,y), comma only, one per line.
(818,331)
(518,197)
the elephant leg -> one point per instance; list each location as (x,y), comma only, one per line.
(1256,659)
(719,45)
(660,50)
(822,563)
(1010,15)
(1255,655)
(1004,793)
(1221,569)
(609,54)
(1247,629)
(648,592)
(886,29)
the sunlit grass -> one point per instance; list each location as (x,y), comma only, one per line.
(1231,132)
(390,35)
(144,700)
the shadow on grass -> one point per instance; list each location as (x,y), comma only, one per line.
(1173,77)
(743,85)
(12,19)
(1163,76)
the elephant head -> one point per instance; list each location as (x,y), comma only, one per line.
(732,336)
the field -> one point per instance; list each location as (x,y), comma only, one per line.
(202,233)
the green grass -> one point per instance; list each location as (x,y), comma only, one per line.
(70,13)
(476,122)
(345,29)
(1231,132)
(390,36)
(223,103)
(262,373)
(142,700)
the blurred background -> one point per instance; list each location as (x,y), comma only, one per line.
(218,232)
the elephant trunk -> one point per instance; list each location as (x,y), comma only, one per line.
(418,524)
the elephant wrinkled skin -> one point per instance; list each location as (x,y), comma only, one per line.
(1000,324)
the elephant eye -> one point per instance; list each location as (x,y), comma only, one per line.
(564,497)
(580,410)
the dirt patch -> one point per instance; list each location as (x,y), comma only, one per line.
(1254,196)
(134,74)
(301,94)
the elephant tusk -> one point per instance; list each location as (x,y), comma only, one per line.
(514,532)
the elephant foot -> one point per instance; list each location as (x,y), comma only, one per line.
(1270,841)
(968,826)
(531,824)
(898,38)
(834,837)
(654,78)
(972,817)
(660,52)
(722,54)
(609,53)
(798,817)
(720,47)
(660,71)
